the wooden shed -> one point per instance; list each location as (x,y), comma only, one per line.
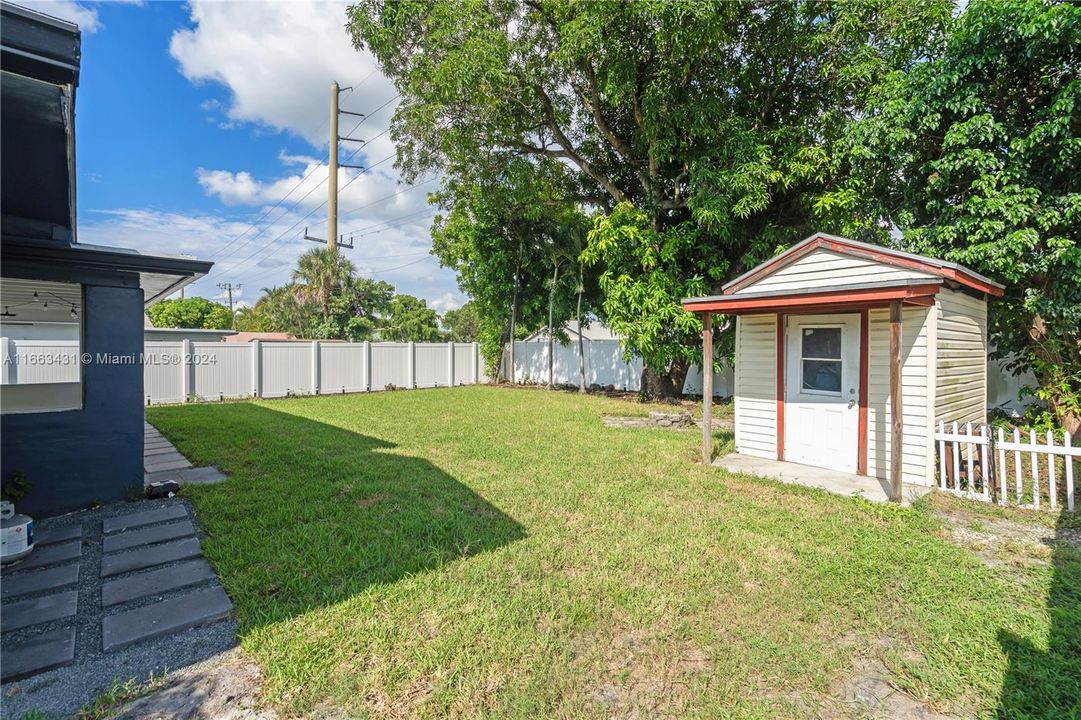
(849,354)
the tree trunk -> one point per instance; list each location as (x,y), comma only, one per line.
(581,342)
(514,316)
(551,330)
(664,385)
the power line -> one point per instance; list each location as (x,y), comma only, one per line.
(393,222)
(306,176)
(388,197)
(302,219)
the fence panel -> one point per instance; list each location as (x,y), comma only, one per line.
(390,365)
(432,364)
(987,467)
(163,367)
(341,368)
(464,356)
(220,370)
(32,362)
(286,369)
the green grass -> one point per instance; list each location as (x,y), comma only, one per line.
(488,552)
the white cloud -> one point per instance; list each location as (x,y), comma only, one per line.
(277,59)
(264,255)
(447,301)
(84,16)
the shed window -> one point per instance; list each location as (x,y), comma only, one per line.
(820,360)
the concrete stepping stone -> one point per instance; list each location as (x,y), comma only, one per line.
(147,517)
(202,475)
(157,445)
(35,611)
(37,653)
(50,555)
(55,535)
(149,556)
(182,462)
(158,450)
(146,535)
(40,581)
(155,582)
(201,607)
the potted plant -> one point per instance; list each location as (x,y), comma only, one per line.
(17,530)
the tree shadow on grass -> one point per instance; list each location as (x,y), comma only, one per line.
(1047,683)
(313,514)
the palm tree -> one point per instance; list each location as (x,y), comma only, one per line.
(320,273)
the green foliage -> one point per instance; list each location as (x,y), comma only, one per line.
(410,320)
(322,274)
(355,310)
(15,486)
(713,121)
(640,305)
(513,225)
(463,324)
(974,155)
(191,312)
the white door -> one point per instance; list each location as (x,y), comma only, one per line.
(821,419)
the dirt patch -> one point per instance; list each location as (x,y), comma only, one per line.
(1002,542)
(226,688)
(870,692)
(639,677)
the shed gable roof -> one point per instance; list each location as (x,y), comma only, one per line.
(826,247)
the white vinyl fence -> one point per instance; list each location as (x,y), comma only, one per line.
(181,371)
(989,465)
(604,366)
(184,371)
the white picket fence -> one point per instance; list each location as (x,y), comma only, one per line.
(975,463)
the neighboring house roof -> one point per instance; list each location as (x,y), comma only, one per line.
(595,330)
(187,331)
(243,337)
(914,279)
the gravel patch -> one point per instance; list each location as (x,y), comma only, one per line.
(59,693)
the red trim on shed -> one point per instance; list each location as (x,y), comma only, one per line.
(861,445)
(781,399)
(854,299)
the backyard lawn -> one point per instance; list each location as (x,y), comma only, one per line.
(493,552)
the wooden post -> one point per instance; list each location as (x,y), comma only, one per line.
(707,388)
(896,406)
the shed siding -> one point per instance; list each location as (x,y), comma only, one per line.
(961,367)
(916,331)
(756,385)
(823,268)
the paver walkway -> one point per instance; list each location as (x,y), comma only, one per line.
(163,462)
(145,557)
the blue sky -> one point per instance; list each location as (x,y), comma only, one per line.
(197,122)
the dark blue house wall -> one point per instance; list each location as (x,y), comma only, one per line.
(76,458)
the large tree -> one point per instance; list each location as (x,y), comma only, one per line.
(462,325)
(322,273)
(409,319)
(506,227)
(975,155)
(192,312)
(709,123)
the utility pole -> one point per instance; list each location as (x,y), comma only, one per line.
(333,165)
(332,182)
(229,288)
